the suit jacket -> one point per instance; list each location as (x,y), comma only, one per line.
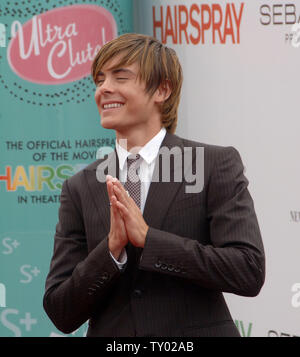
(198,246)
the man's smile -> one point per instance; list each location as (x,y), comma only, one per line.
(113,105)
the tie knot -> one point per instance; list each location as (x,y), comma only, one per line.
(132,160)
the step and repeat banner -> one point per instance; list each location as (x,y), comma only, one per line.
(49,130)
(240,62)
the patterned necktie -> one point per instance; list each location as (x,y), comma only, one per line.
(133,183)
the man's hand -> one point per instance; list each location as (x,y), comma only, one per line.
(135,224)
(117,238)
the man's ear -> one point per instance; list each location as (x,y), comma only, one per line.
(163,92)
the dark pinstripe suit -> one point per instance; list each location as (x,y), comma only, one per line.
(198,246)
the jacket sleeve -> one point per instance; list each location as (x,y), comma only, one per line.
(234,260)
(77,280)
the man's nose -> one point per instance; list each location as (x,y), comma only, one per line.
(107,86)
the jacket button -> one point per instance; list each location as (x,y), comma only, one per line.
(158,264)
(177,270)
(137,293)
(105,276)
(91,291)
(171,267)
(164,266)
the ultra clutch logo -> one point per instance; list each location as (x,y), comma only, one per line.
(59,45)
(46,48)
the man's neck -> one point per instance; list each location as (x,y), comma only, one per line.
(132,141)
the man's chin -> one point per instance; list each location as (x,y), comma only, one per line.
(113,124)
(108,124)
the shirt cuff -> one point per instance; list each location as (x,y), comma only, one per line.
(122,259)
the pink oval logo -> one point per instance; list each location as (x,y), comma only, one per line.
(58,46)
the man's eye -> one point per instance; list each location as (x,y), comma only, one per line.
(99,82)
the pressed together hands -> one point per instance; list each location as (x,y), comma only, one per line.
(126,220)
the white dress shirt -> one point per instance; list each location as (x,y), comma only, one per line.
(148,155)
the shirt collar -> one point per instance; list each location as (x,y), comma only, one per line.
(148,152)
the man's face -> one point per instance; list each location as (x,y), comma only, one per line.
(121,99)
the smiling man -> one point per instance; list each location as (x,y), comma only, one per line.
(138,256)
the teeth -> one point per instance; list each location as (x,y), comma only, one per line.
(112,105)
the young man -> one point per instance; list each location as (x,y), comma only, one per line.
(148,258)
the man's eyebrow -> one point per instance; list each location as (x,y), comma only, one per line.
(117,70)
(120,70)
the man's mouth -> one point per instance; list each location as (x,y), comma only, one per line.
(112,105)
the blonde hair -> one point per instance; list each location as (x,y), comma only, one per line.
(158,65)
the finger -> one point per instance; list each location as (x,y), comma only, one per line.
(113,201)
(115,209)
(122,196)
(111,181)
(114,206)
(117,183)
(125,194)
(110,189)
(123,210)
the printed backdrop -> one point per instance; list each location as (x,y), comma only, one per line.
(49,130)
(241,88)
